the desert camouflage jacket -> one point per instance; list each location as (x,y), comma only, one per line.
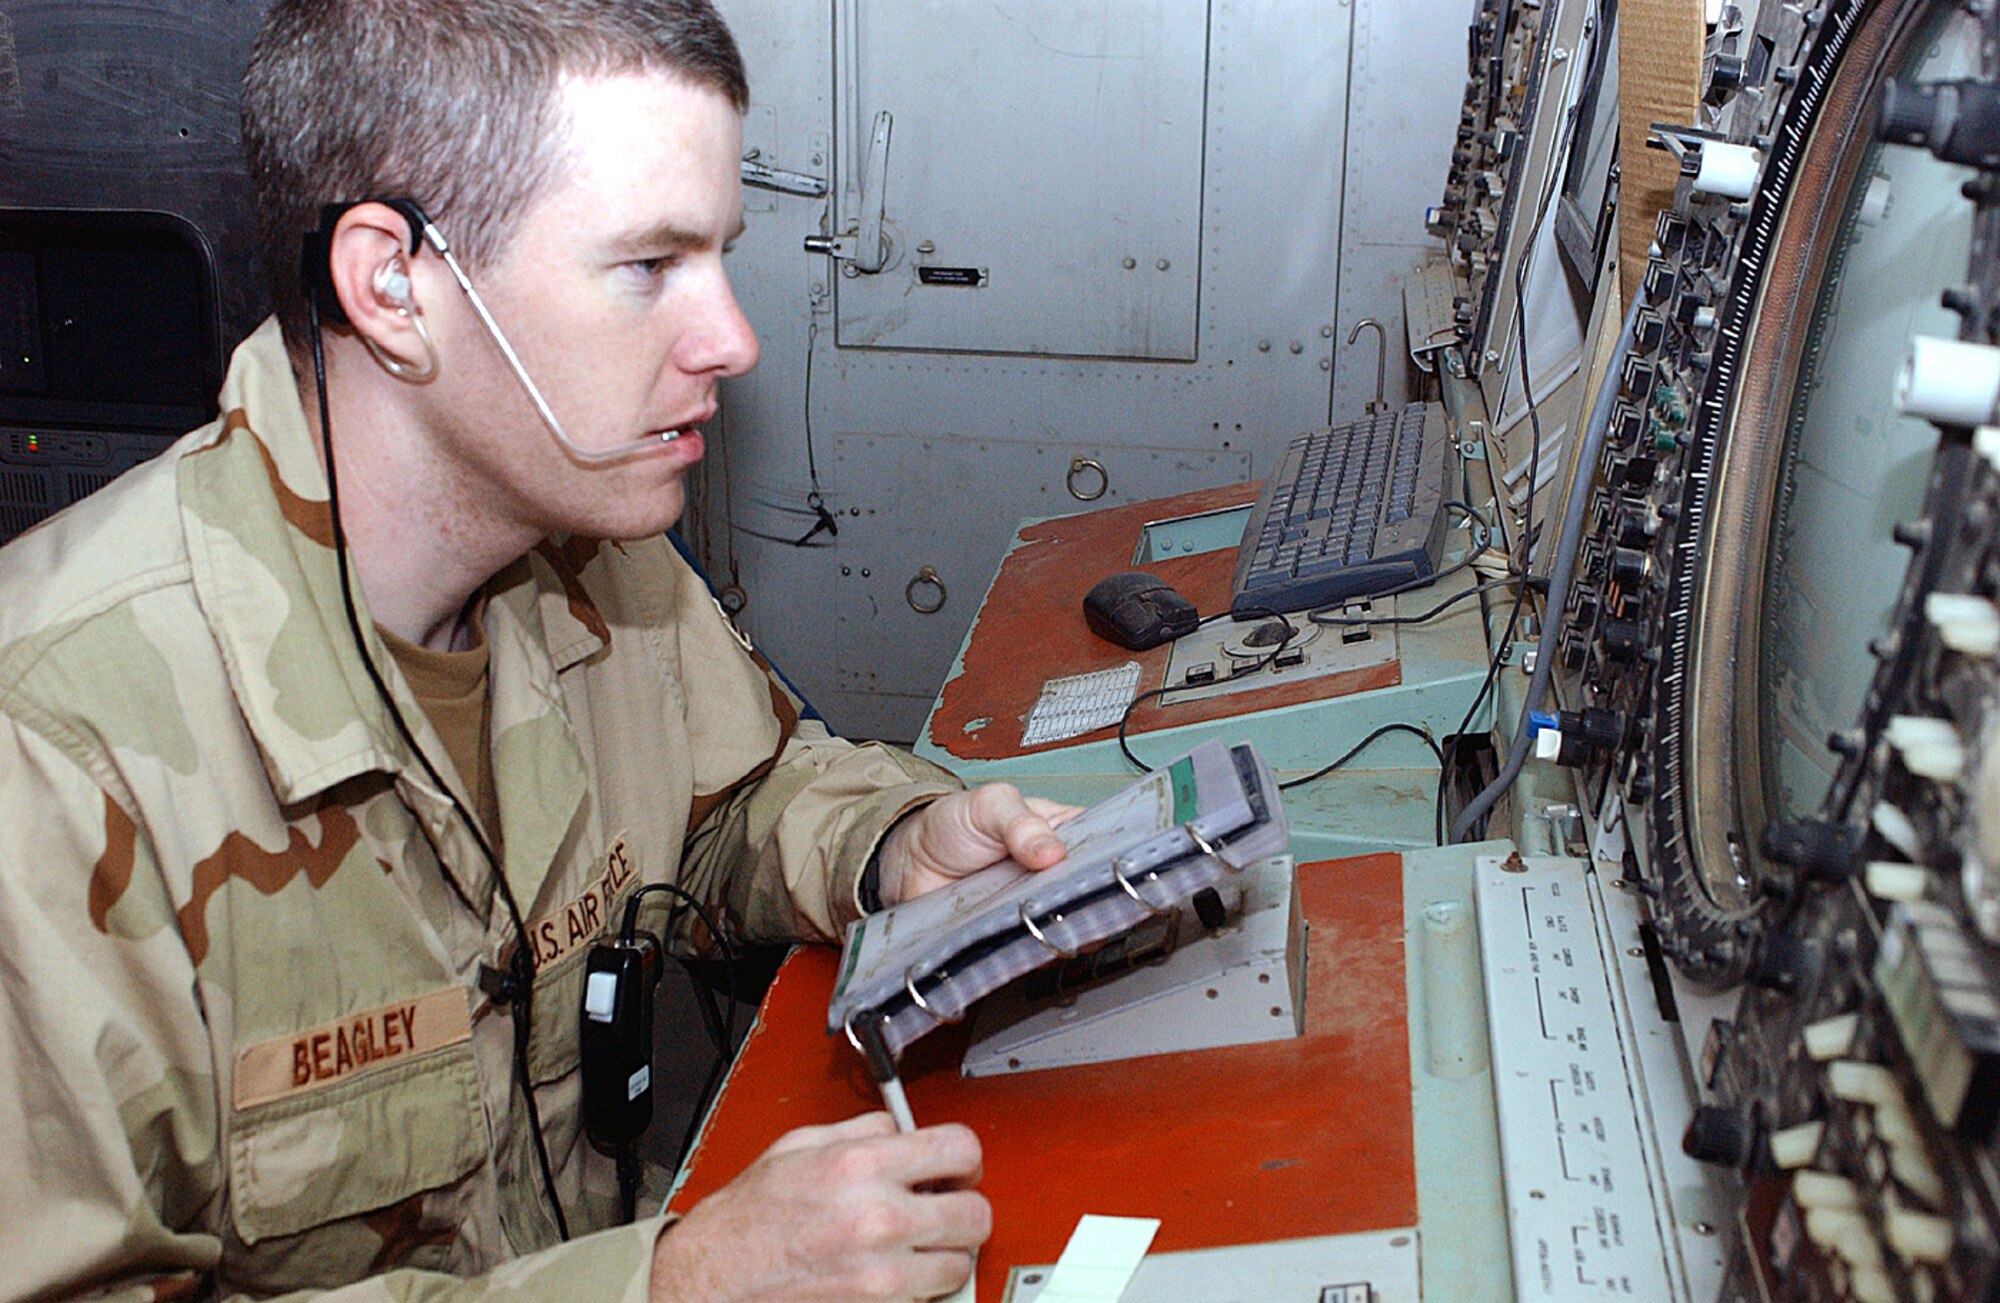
(243,1045)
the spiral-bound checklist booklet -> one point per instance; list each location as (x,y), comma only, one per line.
(1182,828)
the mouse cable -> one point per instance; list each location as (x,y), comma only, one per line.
(1362,745)
(1435,611)
(1240,672)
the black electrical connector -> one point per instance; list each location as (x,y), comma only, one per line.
(1959,121)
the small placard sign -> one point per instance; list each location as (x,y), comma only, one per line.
(974,277)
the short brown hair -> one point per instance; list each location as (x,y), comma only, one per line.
(447,102)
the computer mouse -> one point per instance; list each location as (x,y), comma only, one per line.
(1138,610)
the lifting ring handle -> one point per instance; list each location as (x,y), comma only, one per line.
(1078,465)
(927,576)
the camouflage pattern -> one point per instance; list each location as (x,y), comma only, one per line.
(237,925)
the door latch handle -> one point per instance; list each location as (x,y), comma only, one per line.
(864,245)
(766,177)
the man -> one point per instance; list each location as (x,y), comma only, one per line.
(274,1019)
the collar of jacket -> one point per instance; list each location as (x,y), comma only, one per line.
(260,544)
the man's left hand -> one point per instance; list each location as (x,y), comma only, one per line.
(968,831)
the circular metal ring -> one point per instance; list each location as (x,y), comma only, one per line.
(1209,848)
(910,989)
(847,1025)
(732,599)
(1035,932)
(1133,892)
(1078,464)
(930,577)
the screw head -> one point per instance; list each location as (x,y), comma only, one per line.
(1163,264)
(1130,263)
(1263,346)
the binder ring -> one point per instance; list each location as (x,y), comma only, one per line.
(1205,846)
(1147,905)
(847,1025)
(910,989)
(1035,932)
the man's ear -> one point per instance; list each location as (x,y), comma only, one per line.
(377,280)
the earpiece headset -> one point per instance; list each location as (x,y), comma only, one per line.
(392,282)
(317,268)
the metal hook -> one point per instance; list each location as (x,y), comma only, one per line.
(1035,932)
(1381,360)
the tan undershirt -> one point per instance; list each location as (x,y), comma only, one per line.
(451,686)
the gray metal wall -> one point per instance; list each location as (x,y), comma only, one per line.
(1078,155)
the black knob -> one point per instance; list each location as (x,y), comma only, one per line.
(1786,962)
(1828,852)
(1624,640)
(1726,1137)
(1630,567)
(1596,725)
(1635,526)
(1959,121)
(1907,113)
(1725,78)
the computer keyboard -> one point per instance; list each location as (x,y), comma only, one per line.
(1349,512)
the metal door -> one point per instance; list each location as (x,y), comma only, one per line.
(956,126)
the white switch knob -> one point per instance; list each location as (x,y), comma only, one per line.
(1918,1237)
(1863,1083)
(1968,624)
(1890,880)
(1949,381)
(1815,1189)
(1797,1146)
(1831,1038)
(1931,748)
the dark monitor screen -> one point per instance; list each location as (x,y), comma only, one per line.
(110,347)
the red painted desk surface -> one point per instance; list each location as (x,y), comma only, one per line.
(1031,630)
(1288,1139)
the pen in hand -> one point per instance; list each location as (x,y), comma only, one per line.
(882,1067)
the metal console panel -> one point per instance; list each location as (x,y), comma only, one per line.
(1031,629)
(1587,1082)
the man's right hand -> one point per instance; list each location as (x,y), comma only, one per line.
(849,1211)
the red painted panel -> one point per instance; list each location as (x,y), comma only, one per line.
(1031,630)
(1303,1137)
